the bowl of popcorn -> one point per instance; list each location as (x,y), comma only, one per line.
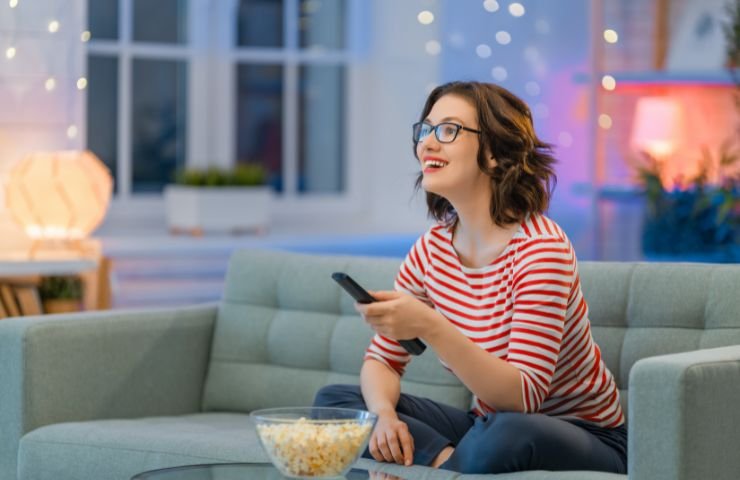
(313,442)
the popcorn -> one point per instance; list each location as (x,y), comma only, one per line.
(306,448)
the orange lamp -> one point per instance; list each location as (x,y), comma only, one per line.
(59,195)
(657,126)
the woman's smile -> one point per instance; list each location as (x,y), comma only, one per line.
(431,164)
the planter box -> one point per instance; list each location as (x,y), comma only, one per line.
(62,306)
(220,209)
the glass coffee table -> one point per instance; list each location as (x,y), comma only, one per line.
(242,471)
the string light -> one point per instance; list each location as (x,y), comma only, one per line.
(542,26)
(433,47)
(490,5)
(425,17)
(50,84)
(608,82)
(483,50)
(499,73)
(605,121)
(611,36)
(503,37)
(456,39)
(81,83)
(532,88)
(13,3)
(10,53)
(516,9)
(85,37)
(53,26)
(72,131)
(565,139)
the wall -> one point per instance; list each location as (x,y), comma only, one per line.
(538,56)
(31,117)
(396,81)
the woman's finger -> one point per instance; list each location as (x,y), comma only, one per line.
(383,448)
(407,445)
(373,449)
(395,448)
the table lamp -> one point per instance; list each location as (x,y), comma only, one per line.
(59,195)
(656,131)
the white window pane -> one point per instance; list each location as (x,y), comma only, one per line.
(103,19)
(321,129)
(260,23)
(160,21)
(158,122)
(102,110)
(322,24)
(259,119)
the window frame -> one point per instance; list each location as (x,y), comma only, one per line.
(212,58)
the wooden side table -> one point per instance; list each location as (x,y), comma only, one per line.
(19,281)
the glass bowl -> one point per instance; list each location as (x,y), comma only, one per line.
(313,442)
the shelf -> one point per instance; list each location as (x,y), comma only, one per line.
(726,78)
(45,267)
(613,192)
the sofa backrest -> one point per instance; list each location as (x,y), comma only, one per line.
(640,310)
(285,328)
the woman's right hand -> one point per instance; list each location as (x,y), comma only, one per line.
(391,441)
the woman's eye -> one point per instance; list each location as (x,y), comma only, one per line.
(448,130)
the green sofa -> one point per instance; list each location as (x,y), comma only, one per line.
(105,395)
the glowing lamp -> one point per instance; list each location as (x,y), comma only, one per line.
(656,127)
(59,195)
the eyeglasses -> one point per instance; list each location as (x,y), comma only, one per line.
(446,132)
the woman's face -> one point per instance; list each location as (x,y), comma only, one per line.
(459,174)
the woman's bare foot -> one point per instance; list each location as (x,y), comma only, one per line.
(442,457)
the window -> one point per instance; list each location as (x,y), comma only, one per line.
(290,92)
(218,82)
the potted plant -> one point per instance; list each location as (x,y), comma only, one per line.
(61,294)
(214,199)
(696,220)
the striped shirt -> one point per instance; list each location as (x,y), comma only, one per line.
(526,307)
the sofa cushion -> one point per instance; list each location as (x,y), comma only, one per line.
(286,326)
(122,448)
(282,317)
(639,310)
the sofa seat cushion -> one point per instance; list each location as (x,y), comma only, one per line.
(118,449)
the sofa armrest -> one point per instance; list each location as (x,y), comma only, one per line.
(94,365)
(684,419)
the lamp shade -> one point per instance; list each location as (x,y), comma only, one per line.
(59,195)
(656,128)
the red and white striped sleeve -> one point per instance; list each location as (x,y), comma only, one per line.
(410,279)
(543,278)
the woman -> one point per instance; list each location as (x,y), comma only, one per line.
(494,290)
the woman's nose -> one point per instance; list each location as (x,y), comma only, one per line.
(429,142)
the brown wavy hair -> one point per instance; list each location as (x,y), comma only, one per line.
(524,176)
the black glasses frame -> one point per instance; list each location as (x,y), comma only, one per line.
(417,131)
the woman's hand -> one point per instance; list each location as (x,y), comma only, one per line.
(391,441)
(397,315)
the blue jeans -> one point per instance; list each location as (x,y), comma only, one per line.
(499,442)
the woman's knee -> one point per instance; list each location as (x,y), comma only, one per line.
(338,396)
(496,443)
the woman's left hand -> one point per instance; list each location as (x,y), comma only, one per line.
(397,315)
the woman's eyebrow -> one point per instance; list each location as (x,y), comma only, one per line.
(446,119)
